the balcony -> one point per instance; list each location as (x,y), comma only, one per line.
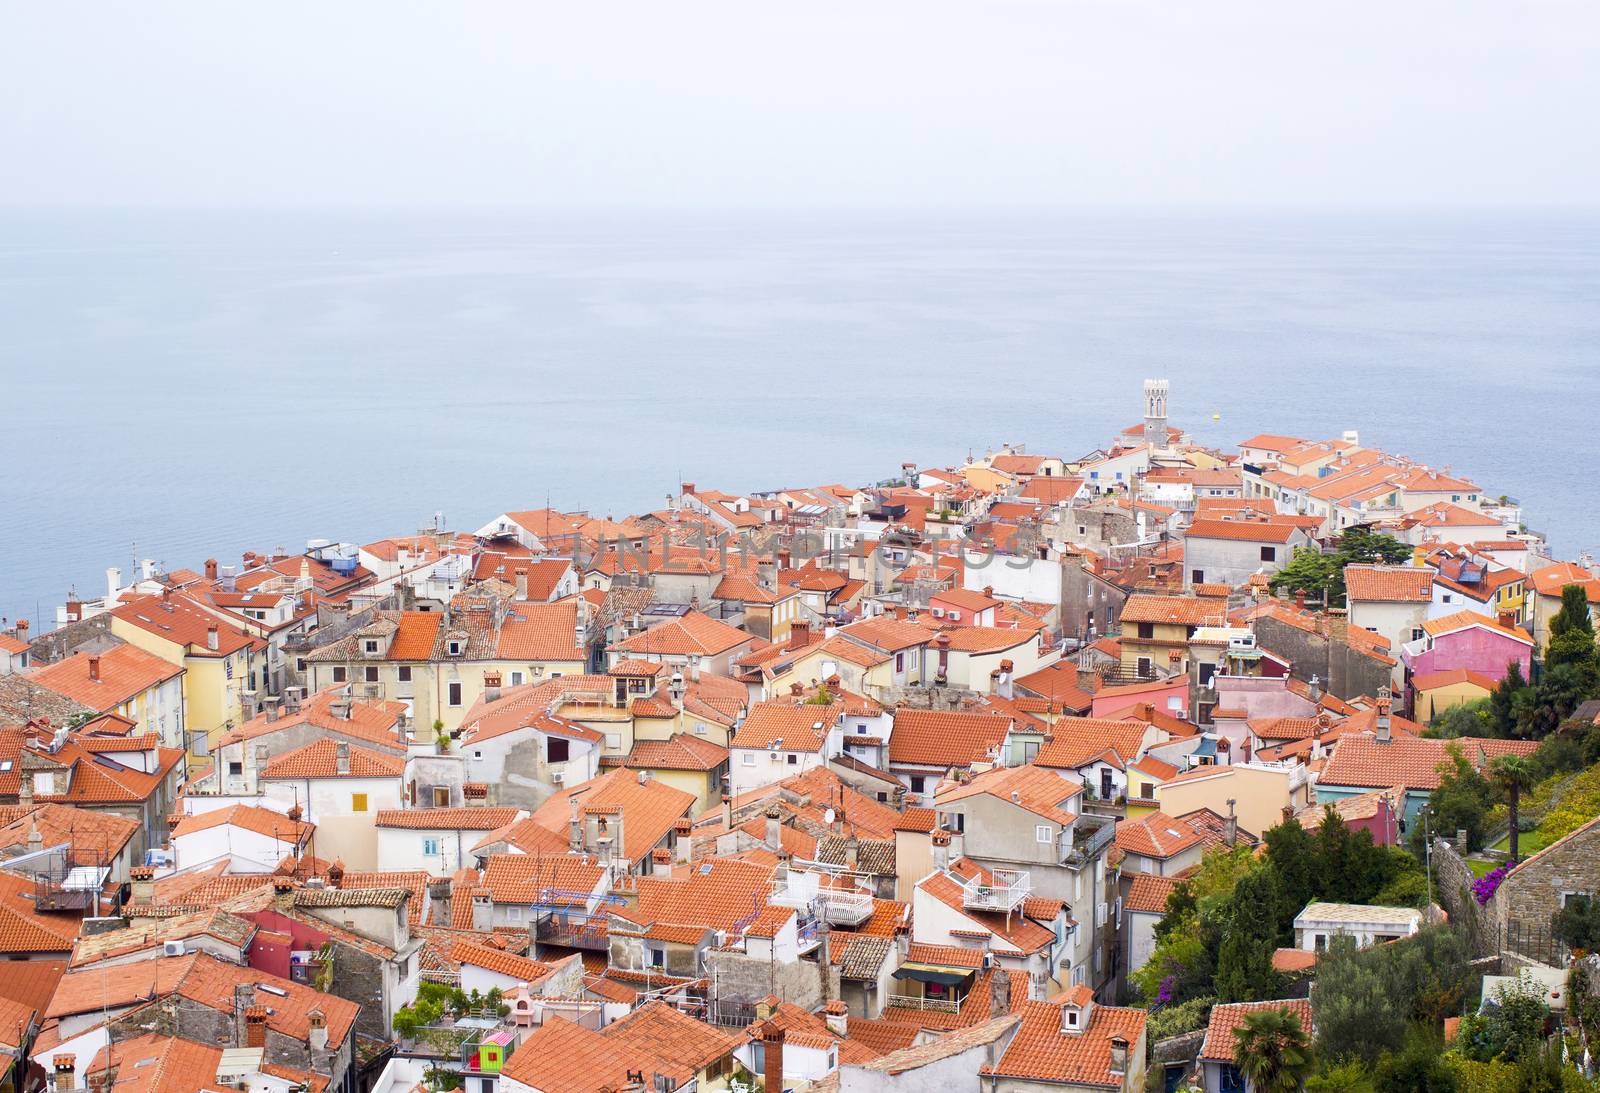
(845,908)
(918,1002)
(1004,893)
(1088,842)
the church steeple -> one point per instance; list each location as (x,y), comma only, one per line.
(1155,413)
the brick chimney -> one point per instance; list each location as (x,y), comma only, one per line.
(63,1067)
(255,1026)
(211,637)
(211,569)
(837,1016)
(282,893)
(94,668)
(341,757)
(799,634)
(522,582)
(772,1035)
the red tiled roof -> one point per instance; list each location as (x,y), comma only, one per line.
(1040,1051)
(945,738)
(1227,1019)
(1171,610)
(123,672)
(1389,584)
(1413,762)
(480,818)
(800,728)
(1149,893)
(681,751)
(320,759)
(1155,835)
(262,821)
(695,633)
(1255,531)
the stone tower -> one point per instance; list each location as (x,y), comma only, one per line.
(1155,413)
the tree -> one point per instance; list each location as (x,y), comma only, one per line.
(1292,854)
(1572,636)
(1577,925)
(1502,709)
(1460,802)
(1418,1068)
(1509,1029)
(1357,1014)
(1312,572)
(1512,774)
(1359,546)
(1249,936)
(1272,1050)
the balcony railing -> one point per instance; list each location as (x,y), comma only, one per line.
(918,1002)
(845,908)
(1087,843)
(1006,889)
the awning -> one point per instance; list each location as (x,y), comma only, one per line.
(942,974)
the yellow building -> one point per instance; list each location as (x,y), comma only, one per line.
(684,761)
(1156,631)
(1435,693)
(219,661)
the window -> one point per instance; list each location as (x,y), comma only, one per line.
(1082,530)
(516,679)
(1072,1017)
(338,673)
(1197,576)
(261,755)
(1207,671)
(1269,554)
(699,728)
(1030,750)
(557,749)
(372,674)
(1043,833)
(1149,791)
(1144,666)
(358,802)
(749,758)
(917,782)
(403,673)
(1447,597)
(613,742)
(1147,630)
(300,664)
(899,662)
(955,821)
(370,645)
(430,848)
(453,648)
(792,758)
(455,694)
(236,769)
(1320,941)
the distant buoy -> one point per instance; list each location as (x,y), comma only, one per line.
(1216,417)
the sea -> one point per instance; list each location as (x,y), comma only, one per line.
(184,384)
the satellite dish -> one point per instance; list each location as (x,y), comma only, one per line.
(827,816)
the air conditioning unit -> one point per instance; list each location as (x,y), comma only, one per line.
(558,777)
(172,948)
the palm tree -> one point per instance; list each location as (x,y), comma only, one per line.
(1513,774)
(1272,1050)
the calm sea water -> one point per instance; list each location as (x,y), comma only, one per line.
(184,385)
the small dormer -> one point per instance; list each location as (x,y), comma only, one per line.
(1077,1008)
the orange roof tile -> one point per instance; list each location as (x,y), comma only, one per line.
(945,738)
(121,673)
(477,818)
(1389,584)
(1227,1019)
(1040,1051)
(1171,610)
(1155,835)
(320,759)
(695,633)
(262,821)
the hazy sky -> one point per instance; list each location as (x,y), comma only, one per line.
(869,102)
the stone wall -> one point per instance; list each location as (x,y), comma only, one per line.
(1341,671)
(1452,886)
(91,635)
(742,980)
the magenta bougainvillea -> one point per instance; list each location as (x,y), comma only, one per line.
(1484,887)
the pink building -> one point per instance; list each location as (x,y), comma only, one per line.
(1467,640)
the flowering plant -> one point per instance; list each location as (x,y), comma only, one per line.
(1168,988)
(1484,887)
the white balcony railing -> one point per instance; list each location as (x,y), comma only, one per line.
(1005,890)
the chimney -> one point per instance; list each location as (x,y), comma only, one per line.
(144,883)
(244,1000)
(799,633)
(852,853)
(941,849)
(491,686)
(482,910)
(63,1066)
(94,668)
(1230,826)
(1383,720)
(772,1057)
(727,812)
(35,840)
(837,1016)
(317,1037)
(1339,625)
(211,637)
(336,873)
(574,826)
(1119,1057)
(774,828)
(522,583)
(282,893)
(255,1026)
(211,569)
(1508,619)
(1300,599)
(341,758)
(999,991)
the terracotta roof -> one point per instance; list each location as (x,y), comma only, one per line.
(520,878)
(1430,681)
(800,728)
(262,821)
(1551,579)
(1170,610)
(94,835)
(1155,835)
(479,818)
(1041,1051)
(648,808)
(1463,620)
(1228,1018)
(1293,960)
(1360,760)
(415,635)
(1074,741)
(1255,531)
(562,1057)
(540,631)
(1057,684)
(658,1030)
(500,961)
(32,982)
(123,672)
(720,894)
(26,930)
(1149,893)
(1041,792)
(693,633)
(204,979)
(179,619)
(154,1064)
(681,751)
(945,738)
(319,759)
(1389,584)
(375,722)
(1018,931)
(888,635)
(100,779)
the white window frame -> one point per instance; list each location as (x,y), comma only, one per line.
(1044,833)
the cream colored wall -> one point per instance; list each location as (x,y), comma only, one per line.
(1431,704)
(1259,797)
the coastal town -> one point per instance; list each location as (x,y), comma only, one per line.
(1151,766)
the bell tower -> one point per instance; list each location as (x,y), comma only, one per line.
(1155,413)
